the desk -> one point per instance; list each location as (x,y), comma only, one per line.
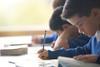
(18,30)
(29,60)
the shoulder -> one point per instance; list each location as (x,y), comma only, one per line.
(83,36)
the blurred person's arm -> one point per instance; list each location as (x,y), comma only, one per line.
(48,39)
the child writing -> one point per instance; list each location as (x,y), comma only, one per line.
(78,52)
(85,15)
(69,37)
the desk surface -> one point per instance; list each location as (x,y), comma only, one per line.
(29,60)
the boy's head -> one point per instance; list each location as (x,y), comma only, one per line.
(57,3)
(56,23)
(84,14)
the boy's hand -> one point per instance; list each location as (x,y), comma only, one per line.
(43,54)
(36,40)
(40,51)
(86,58)
(53,44)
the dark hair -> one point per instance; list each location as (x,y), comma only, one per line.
(56,22)
(79,7)
(57,3)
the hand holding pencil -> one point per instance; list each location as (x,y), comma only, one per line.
(43,54)
(43,45)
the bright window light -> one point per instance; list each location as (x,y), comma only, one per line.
(24,12)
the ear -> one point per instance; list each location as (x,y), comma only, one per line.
(95,12)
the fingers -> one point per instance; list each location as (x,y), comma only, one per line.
(36,40)
(79,57)
(52,45)
(40,51)
(86,58)
(43,54)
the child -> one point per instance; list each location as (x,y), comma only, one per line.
(84,14)
(63,52)
(69,37)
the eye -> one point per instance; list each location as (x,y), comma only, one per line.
(80,24)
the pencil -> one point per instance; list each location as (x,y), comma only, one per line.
(44,39)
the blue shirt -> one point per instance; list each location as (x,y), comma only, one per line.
(78,41)
(50,38)
(92,47)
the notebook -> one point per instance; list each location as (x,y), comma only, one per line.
(14,50)
(70,62)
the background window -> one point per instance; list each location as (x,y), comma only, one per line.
(20,15)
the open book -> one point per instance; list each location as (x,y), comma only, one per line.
(70,62)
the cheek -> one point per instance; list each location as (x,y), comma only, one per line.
(88,29)
(84,28)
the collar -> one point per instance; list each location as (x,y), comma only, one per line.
(97,35)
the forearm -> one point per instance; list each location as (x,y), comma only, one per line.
(61,43)
(67,52)
(62,52)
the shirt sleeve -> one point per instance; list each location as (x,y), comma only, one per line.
(71,51)
(50,38)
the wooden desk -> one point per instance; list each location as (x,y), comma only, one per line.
(20,33)
(19,30)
